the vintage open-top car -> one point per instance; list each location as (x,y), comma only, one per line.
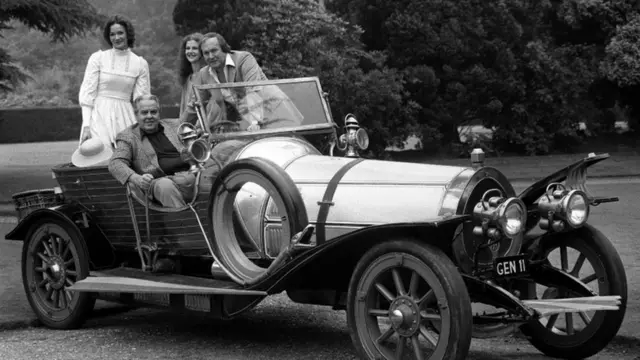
(422,257)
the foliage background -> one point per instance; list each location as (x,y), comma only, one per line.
(534,71)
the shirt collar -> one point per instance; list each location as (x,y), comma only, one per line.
(143,133)
(228,62)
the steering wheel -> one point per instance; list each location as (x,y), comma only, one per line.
(223,126)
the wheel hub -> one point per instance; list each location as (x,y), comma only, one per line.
(57,272)
(404,315)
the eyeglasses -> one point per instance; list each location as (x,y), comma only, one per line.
(146,112)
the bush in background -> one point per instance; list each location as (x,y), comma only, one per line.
(22,125)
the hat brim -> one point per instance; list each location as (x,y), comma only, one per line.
(80,160)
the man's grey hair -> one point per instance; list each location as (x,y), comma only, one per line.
(145,97)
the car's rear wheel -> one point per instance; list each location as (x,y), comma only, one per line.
(588,255)
(398,289)
(54,258)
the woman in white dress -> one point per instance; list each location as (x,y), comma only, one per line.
(112,80)
(190,61)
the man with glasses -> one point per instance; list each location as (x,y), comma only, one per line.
(150,155)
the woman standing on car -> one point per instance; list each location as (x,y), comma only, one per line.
(190,62)
(112,79)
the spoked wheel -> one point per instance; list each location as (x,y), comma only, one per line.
(54,258)
(589,256)
(397,292)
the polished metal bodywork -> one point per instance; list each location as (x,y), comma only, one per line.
(337,197)
(373,192)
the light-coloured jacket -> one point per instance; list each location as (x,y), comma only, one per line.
(246,69)
(133,154)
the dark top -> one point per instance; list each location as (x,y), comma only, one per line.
(168,156)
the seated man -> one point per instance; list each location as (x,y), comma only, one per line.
(150,155)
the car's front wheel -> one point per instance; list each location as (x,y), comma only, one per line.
(397,291)
(53,259)
(589,256)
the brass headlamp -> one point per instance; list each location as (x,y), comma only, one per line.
(560,208)
(355,138)
(499,216)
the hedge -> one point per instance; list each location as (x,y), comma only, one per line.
(49,124)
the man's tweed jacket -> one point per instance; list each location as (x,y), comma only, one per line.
(133,154)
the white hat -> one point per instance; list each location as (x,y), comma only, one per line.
(91,152)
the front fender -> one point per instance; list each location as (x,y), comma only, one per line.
(575,174)
(101,253)
(332,263)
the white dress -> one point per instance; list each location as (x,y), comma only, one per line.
(112,79)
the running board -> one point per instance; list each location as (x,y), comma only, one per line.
(127,280)
(574,305)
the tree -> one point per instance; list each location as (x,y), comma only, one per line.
(621,68)
(61,19)
(296,38)
(528,68)
(456,57)
(213,15)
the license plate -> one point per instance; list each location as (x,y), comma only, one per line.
(510,266)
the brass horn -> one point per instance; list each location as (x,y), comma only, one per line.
(197,147)
(200,150)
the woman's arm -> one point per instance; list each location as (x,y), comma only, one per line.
(143,81)
(89,92)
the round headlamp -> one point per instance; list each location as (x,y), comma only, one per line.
(512,217)
(362,139)
(576,207)
(560,208)
(503,216)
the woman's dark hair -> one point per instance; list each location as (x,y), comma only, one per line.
(124,22)
(184,66)
(224,46)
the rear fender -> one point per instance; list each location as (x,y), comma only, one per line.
(101,253)
(332,263)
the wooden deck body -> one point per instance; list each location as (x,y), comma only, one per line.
(106,201)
